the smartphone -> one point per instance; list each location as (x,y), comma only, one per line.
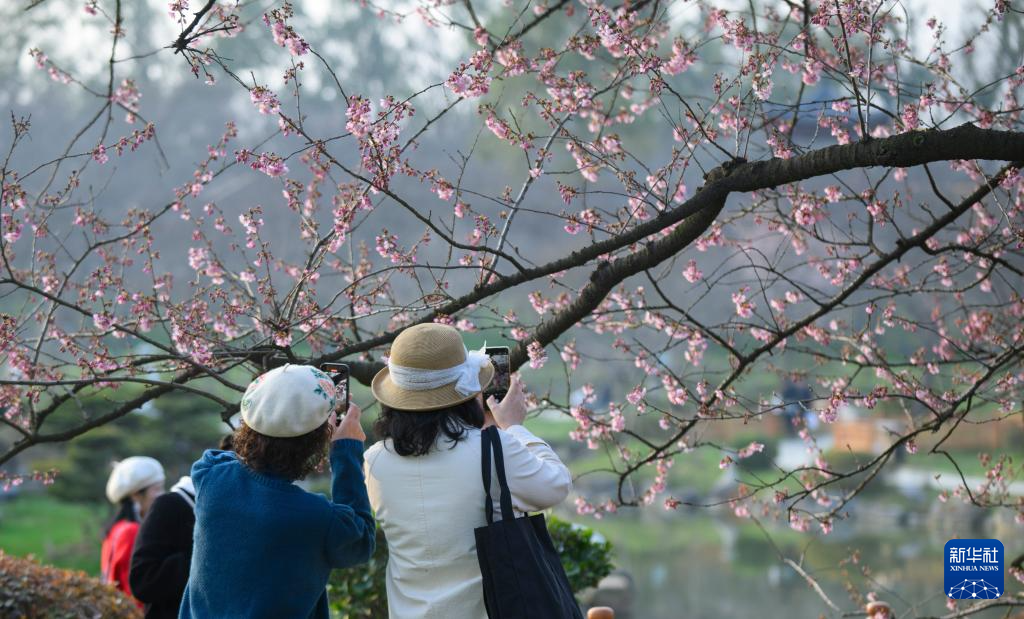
(499,384)
(339,374)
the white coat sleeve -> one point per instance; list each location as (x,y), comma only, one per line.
(536,476)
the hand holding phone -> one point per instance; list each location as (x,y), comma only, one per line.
(511,409)
(500,360)
(349,426)
(339,373)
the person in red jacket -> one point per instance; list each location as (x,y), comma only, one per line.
(133,486)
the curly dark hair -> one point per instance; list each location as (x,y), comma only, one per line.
(414,433)
(292,458)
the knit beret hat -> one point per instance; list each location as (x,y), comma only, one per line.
(288,401)
(131,475)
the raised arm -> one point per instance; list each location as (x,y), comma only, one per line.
(537,477)
(352,534)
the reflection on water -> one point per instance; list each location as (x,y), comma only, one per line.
(703,565)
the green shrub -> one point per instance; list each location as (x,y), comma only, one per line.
(360,591)
(29,590)
(586,557)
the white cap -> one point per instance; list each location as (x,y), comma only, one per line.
(131,475)
(288,401)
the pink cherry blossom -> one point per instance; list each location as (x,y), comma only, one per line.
(750,450)
(744,307)
(538,356)
(692,273)
(265,100)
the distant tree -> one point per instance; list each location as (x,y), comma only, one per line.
(174,429)
(842,206)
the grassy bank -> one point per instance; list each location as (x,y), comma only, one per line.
(58,533)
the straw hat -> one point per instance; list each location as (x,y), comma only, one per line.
(430,369)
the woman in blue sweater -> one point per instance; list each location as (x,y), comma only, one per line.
(263,546)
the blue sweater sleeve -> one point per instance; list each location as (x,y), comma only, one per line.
(210,459)
(350,539)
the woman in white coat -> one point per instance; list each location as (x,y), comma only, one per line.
(424,478)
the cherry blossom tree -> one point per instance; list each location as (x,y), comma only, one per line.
(843,177)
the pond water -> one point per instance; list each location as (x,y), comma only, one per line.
(703,565)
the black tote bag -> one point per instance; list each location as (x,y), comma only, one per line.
(522,575)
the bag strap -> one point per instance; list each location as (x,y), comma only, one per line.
(507,513)
(186,496)
(485,466)
(491,440)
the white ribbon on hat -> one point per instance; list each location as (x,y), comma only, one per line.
(466,375)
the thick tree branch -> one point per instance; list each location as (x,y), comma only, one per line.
(185,38)
(904,150)
(117,413)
